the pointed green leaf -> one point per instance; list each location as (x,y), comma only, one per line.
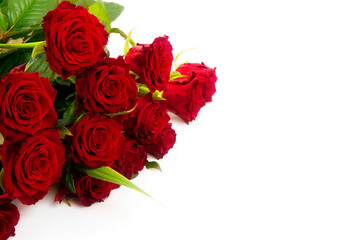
(99,11)
(110,175)
(39,48)
(68,116)
(3,23)
(175,75)
(39,64)
(63,132)
(69,180)
(24,13)
(113,10)
(153,165)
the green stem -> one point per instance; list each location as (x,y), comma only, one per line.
(116,30)
(21,45)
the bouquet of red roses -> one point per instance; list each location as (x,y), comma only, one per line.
(72,115)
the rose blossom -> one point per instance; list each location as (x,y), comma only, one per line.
(206,76)
(107,87)
(75,39)
(163,143)
(147,120)
(9,218)
(133,160)
(152,62)
(185,99)
(26,105)
(32,166)
(97,140)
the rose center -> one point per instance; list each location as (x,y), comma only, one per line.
(78,45)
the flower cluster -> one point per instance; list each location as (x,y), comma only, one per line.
(89,112)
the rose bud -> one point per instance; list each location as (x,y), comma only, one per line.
(107,87)
(75,39)
(32,166)
(26,105)
(97,141)
(152,62)
(147,120)
(9,218)
(163,143)
(206,76)
(185,99)
(133,160)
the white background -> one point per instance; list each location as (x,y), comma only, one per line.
(274,156)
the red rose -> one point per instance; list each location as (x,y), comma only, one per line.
(147,120)
(97,141)
(132,161)
(26,105)
(31,167)
(75,39)
(163,143)
(90,190)
(9,218)
(152,62)
(185,99)
(206,76)
(107,87)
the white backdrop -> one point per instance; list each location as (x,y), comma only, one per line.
(274,156)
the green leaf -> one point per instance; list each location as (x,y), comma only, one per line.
(24,13)
(61,82)
(99,11)
(110,175)
(39,64)
(84,3)
(3,23)
(175,75)
(68,116)
(69,180)
(153,165)
(113,10)
(63,132)
(39,48)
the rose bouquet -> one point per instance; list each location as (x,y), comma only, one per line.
(73,116)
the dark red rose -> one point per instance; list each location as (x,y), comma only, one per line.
(75,39)
(26,105)
(90,190)
(147,120)
(9,218)
(206,76)
(152,62)
(97,141)
(163,143)
(107,87)
(31,167)
(185,99)
(132,161)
